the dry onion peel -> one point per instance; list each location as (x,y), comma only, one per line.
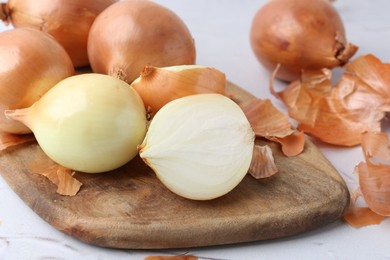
(31,63)
(268,122)
(11,140)
(4,13)
(362,216)
(374,174)
(292,144)
(341,114)
(149,34)
(355,194)
(299,35)
(88,123)
(262,164)
(68,21)
(374,182)
(60,176)
(159,86)
(199,146)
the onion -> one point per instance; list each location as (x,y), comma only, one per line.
(31,62)
(89,122)
(299,35)
(68,21)
(159,86)
(131,34)
(199,146)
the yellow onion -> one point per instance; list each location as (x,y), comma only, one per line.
(199,146)
(159,86)
(68,21)
(31,62)
(131,34)
(89,122)
(299,35)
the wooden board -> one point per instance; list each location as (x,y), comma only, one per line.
(130,208)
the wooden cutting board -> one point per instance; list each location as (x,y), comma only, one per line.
(130,208)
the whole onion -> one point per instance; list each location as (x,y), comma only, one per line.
(31,63)
(90,122)
(131,34)
(68,21)
(299,35)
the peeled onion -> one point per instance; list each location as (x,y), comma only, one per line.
(68,21)
(199,146)
(89,122)
(131,34)
(31,62)
(299,35)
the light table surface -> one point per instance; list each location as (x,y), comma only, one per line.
(221,32)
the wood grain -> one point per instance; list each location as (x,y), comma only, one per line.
(130,208)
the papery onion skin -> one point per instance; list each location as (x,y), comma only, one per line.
(132,34)
(340,114)
(362,216)
(199,146)
(159,86)
(68,21)
(374,174)
(299,35)
(90,122)
(31,62)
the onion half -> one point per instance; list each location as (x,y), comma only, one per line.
(199,146)
(131,34)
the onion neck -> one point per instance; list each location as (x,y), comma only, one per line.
(5,13)
(344,50)
(346,53)
(21,115)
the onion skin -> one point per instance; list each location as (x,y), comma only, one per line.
(299,35)
(31,62)
(89,123)
(159,86)
(68,21)
(129,35)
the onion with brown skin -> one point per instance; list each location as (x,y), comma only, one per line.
(68,21)
(31,62)
(299,35)
(131,34)
(159,86)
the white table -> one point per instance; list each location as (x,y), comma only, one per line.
(221,32)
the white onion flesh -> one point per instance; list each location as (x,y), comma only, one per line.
(199,146)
